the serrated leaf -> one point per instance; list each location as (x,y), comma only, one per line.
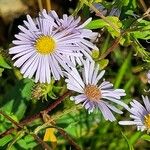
(3,63)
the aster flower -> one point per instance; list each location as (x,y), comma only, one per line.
(77,31)
(41,49)
(94,93)
(140,114)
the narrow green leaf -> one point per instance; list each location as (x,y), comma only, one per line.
(122,71)
(19,135)
(5,140)
(128,142)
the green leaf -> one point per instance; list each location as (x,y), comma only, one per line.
(135,136)
(146,137)
(30,141)
(96,24)
(5,140)
(100,23)
(103,63)
(16,99)
(95,54)
(3,63)
(18,136)
(122,70)
(125,40)
(22,143)
(140,50)
(129,4)
(144,24)
(142,30)
(1,71)
(145,35)
(26,91)
(129,144)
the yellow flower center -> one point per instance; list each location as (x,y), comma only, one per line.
(92,92)
(45,45)
(147,121)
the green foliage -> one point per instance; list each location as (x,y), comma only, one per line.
(103,63)
(126,66)
(145,137)
(3,63)
(123,70)
(100,23)
(143,31)
(15,101)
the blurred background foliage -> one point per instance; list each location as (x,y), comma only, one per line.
(126,66)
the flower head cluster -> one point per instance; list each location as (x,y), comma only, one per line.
(140,115)
(47,45)
(94,92)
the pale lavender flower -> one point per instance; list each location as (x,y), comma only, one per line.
(95,92)
(75,30)
(140,114)
(41,48)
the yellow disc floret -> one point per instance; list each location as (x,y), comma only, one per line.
(45,45)
(147,121)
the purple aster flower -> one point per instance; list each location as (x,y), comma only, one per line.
(76,30)
(93,92)
(41,48)
(140,115)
